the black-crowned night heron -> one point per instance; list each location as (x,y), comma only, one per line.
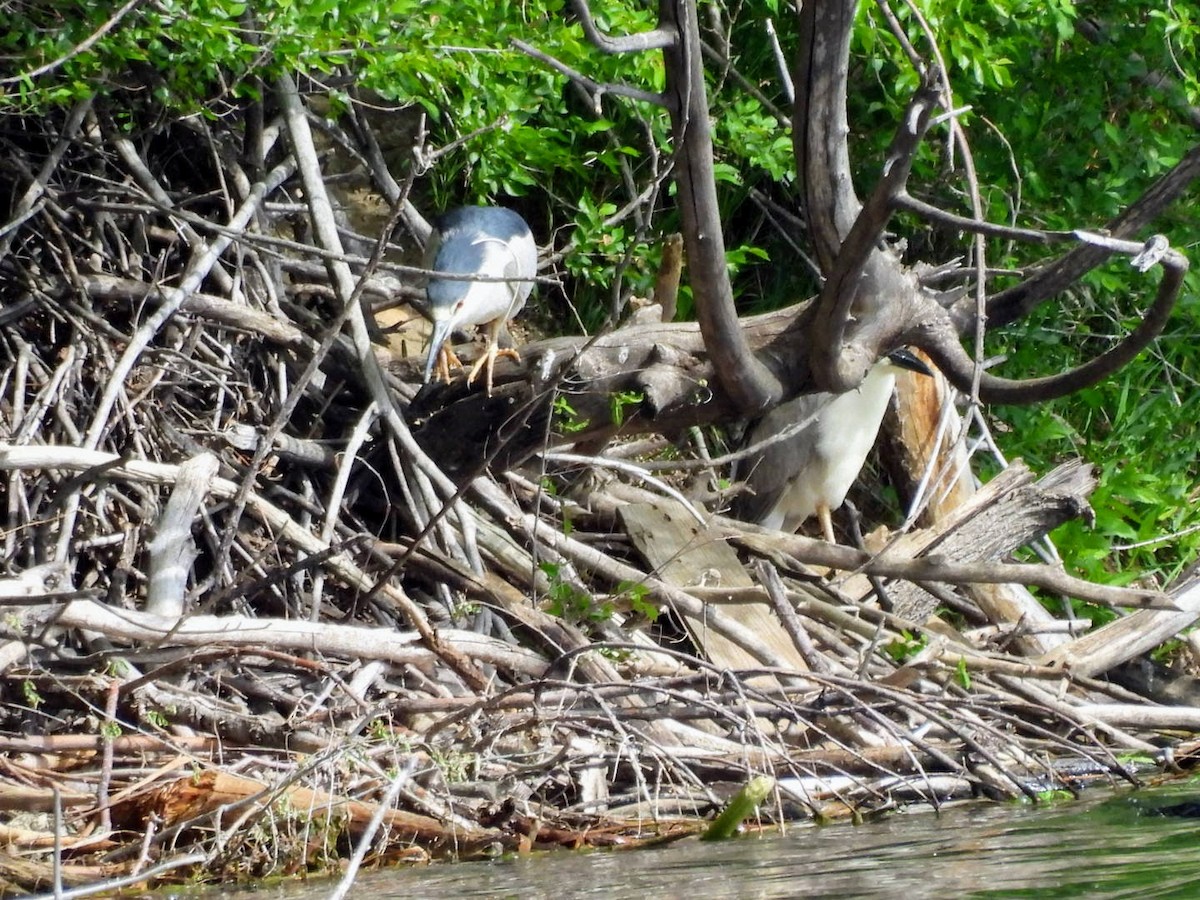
(810,471)
(474,241)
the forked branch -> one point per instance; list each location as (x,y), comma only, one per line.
(836,366)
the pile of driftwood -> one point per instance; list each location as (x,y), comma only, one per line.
(251,626)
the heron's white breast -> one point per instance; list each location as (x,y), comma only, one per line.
(847,431)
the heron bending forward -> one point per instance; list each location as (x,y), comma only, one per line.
(474,241)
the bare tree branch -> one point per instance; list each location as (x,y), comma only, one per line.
(595,90)
(1010,305)
(904,200)
(750,383)
(820,126)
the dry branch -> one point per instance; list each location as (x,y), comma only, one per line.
(344,641)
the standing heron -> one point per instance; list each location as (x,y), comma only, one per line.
(810,471)
(473,241)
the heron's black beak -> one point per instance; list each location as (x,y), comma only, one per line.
(906,359)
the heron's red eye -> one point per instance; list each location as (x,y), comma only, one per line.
(458,306)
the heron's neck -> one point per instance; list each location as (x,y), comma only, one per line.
(875,393)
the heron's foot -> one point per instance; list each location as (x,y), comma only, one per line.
(488,361)
(447,358)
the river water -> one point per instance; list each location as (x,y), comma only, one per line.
(1106,847)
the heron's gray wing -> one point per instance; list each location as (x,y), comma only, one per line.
(769,471)
(482,240)
(520,289)
(522,263)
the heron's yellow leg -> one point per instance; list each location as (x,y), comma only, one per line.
(826,522)
(488,360)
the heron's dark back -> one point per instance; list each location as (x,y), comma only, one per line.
(462,237)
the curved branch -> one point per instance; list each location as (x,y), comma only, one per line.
(906,201)
(747,380)
(845,232)
(940,339)
(665,364)
(594,89)
(658,39)
(924,570)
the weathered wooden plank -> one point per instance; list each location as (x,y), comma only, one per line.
(687,554)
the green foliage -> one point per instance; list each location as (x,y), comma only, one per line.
(192,54)
(962,674)
(636,595)
(1138,429)
(1056,795)
(156,718)
(1070,120)
(568,601)
(904,646)
(621,399)
(463,611)
(614,654)
(577,606)
(29,693)
(456,767)
(566,419)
